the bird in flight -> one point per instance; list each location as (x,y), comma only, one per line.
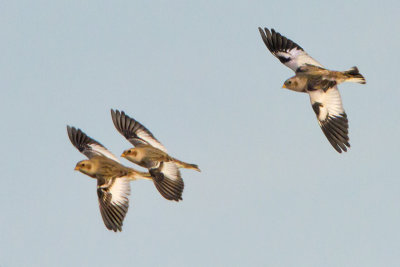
(320,84)
(113,188)
(149,153)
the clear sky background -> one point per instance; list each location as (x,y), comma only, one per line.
(272,191)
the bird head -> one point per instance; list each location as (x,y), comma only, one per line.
(129,153)
(291,83)
(86,167)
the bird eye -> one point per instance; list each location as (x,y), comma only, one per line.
(289,82)
(83,164)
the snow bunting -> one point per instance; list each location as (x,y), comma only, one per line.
(320,84)
(113,188)
(150,153)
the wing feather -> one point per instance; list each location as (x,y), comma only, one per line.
(87,145)
(113,202)
(134,131)
(288,52)
(331,116)
(168,181)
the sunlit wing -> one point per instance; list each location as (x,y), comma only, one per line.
(134,131)
(87,145)
(331,116)
(167,179)
(287,51)
(113,201)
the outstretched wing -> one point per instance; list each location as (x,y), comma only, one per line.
(113,201)
(87,145)
(331,116)
(167,179)
(287,51)
(134,131)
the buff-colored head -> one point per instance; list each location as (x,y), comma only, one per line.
(295,83)
(86,167)
(129,152)
(291,83)
(131,155)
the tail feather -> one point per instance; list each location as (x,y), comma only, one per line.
(185,165)
(353,75)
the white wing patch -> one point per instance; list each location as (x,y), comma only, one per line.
(120,191)
(297,58)
(331,117)
(103,151)
(330,100)
(148,138)
(114,202)
(288,52)
(171,170)
(134,131)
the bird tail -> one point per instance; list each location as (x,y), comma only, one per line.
(185,165)
(353,75)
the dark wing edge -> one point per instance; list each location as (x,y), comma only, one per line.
(134,131)
(113,212)
(288,52)
(82,142)
(335,128)
(168,182)
(275,43)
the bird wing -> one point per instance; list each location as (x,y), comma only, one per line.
(133,131)
(113,201)
(331,116)
(287,51)
(167,179)
(87,145)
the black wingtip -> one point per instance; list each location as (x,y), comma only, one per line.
(336,131)
(128,126)
(79,139)
(169,189)
(74,135)
(122,122)
(276,42)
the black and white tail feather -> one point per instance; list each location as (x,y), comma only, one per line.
(354,76)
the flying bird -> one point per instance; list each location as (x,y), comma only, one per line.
(320,84)
(113,188)
(149,153)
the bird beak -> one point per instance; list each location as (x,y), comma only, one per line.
(283,86)
(77,168)
(123,155)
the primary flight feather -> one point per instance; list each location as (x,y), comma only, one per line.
(149,153)
(113,188)
(320,84)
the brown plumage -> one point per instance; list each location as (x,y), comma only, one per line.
(309,78)
(146,155)
(150,153)
(113,179)
(319,83)
(100,167)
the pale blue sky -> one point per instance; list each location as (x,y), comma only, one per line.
(272,191)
